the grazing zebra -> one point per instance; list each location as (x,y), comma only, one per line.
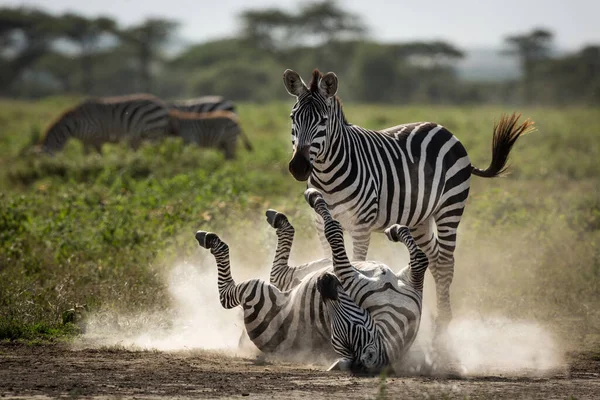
(203,104)
(109,120)
(416,174)
(374,314)
(288,314)
(218,129)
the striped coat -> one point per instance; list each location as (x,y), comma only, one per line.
(203,104)
(416,174)
(97,121)
(288,314)
(219,129)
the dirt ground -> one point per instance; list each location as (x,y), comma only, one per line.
(42,371)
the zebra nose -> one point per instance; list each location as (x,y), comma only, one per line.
(300,166)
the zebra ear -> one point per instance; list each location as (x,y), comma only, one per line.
(293,83)
(328,85)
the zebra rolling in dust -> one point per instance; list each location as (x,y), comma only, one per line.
(218,129)
(289,315)
(416,174)
(97,121)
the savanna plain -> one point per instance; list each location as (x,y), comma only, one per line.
(116,233)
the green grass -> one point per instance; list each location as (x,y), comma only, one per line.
(103,231)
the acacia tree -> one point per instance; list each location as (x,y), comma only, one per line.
(25,36)
(148,38)
(318,25)
(531,48)
(86,33)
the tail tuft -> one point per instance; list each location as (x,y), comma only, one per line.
(506,133)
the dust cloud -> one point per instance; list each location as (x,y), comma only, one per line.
(195,320)
(482,344)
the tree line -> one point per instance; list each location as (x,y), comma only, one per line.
(45,54)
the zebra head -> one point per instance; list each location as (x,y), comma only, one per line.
(309,118)
(59,132)
(353,333)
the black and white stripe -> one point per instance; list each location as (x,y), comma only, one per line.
(109,120)
(416,174)
(288,314)
(219,129)
(203,104)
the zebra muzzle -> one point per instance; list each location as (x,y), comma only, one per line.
(205,239)
(327,284)
(300,166)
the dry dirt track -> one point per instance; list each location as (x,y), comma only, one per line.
(56,370)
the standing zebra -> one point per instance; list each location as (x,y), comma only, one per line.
(109,120)
(218,129)
(415,174)
(374,314)
(288,314)
(203,104)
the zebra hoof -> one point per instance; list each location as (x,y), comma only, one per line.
(327,285)
(205,239)
(275,219)
(312,196)
(395,232)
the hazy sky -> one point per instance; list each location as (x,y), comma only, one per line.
(466,23)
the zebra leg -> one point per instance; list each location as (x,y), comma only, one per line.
(230,294)
(334,234)
(447,224)
(321,234)
(415,272)
(360,243)
(284,277)
(426,241)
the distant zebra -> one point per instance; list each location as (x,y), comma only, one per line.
(286,315)
(203,104)
(416,174)
(374,314)
(219,129)
(109,120)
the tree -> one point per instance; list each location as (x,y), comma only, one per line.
(86,33)
(147,38)
(25,36)
(316,24)
(272,29)
(326,23)
(531,48)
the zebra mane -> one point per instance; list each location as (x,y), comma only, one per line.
(313,87)
(314,82)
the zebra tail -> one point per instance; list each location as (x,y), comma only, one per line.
(506,133)
(247,143)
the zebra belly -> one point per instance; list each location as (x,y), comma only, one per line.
(301,324)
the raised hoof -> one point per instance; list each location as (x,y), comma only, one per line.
(327,285)
(312,196)
(205,239)
(395,232)
(275,219)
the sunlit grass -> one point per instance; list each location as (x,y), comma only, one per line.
(102,231)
